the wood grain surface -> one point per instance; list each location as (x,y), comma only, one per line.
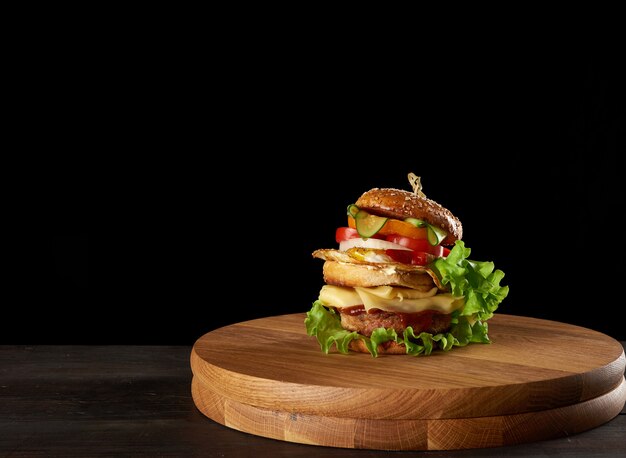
(439,434)
(535,372)
(127,400)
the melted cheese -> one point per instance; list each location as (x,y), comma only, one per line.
(390,299)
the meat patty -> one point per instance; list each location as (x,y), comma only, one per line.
(358,319)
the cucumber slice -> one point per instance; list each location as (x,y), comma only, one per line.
(368,225)
(436,235)
(353,210)
(416,222)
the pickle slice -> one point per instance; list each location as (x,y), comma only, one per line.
(436,235)
(416,222)
(368,225)
(353,210)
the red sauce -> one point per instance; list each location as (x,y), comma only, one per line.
(354,310)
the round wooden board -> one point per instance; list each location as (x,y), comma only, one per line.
(538,379)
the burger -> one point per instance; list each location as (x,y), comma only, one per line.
(401,281)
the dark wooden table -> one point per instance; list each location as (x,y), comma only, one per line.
(135,401)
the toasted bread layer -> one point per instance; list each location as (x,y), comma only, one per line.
(366,275)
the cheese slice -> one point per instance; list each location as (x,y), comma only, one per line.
(389,292)
(339,296)
(390,299)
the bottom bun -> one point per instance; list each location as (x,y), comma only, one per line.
(386,348)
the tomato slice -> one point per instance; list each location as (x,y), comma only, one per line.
(416,244)
(346,233)
(413,244)
(403,256)
(419,244)
(419,258)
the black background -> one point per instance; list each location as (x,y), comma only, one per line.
(199,204)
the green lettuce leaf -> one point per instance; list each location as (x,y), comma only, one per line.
(477,282)
(379,336)
(325,324)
